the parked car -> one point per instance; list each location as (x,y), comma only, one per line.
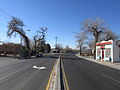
(39,55)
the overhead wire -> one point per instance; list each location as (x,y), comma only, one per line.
(8,16)
(5,17)
(4,14)
(3,25)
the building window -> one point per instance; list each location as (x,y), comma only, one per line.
(98,53)
(108,52)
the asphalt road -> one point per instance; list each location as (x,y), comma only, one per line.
(22,76)
(82,74)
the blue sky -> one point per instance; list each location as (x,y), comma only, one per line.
(62,17)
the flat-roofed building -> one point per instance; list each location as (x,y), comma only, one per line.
(108,50)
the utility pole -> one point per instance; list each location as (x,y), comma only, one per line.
(56,42)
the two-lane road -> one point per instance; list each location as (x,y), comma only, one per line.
(80,74)
(86,75)
(22,76)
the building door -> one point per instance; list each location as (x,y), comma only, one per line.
(102,53)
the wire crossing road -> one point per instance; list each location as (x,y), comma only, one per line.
(85,75)
(22,76)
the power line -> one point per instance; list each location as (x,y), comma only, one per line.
(3,25)
(8,16)
(56,41)
(5,16)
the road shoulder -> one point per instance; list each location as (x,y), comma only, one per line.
(109,64)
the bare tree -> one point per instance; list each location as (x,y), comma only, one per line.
(40,39)
(15,26)
(81,38)
(96,27)
(108,35)
(48,48)
(91,45)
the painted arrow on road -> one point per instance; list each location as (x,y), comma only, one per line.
(41,68)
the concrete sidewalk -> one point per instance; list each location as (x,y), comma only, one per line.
(106,63)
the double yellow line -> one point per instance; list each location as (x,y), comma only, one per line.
(64,77)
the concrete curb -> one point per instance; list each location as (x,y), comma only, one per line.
(57,77)
(54,80)
(58,80)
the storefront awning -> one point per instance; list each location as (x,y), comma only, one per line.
(104,43)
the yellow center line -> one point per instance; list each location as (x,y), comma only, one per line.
(64,75)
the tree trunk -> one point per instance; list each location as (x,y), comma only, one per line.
(90,51)
(27,45)
(96,40)
(80,51)
(25,38)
